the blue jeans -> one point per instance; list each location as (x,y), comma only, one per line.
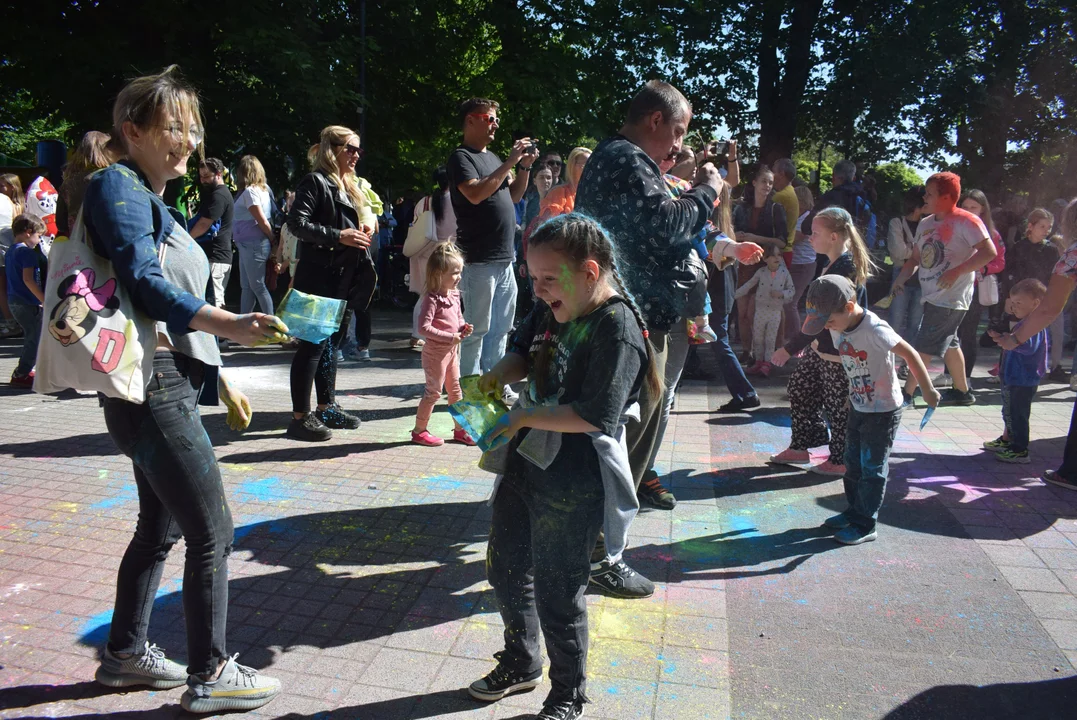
(869,437)
(906,311)
(732,372)
(29,318)
(252,276)
(1016,409)
(488,291)
(180,494)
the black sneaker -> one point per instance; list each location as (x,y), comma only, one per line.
(566,710)
(309,428)
(736,406)
(621,581)
(501,682)
(953,396)
(1054,478)
(652,492)
(335,417)
(1058,375)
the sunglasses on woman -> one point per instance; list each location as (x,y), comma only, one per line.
(351,149)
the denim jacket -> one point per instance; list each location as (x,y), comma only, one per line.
(126,221)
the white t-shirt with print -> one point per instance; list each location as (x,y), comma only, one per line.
(943,245)
(867,356)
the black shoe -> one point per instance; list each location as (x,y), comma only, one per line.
(736,406)
(566,710)
(1058,375)
(620,581)
(1054,478)
(335,417)
(309,429)
(501,682)
(652,492)
(953,396)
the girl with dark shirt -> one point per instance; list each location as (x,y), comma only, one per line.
(585,355)
(819,383)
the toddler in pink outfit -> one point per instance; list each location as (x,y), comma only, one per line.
(441,324)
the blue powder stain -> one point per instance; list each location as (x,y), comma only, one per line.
(802,601)
(266,490)
(128,492)
(613,691)
(442,482)
(94,631)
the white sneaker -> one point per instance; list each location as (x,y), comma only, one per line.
(237,688)
(151,669)
(509,396)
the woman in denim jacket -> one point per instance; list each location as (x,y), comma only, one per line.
(156,127)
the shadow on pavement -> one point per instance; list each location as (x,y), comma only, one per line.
(1045,700)
(342,577)
(30,695)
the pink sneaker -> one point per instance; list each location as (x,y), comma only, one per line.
(765,368)
(789,456)
(993,372)
(426,439)
(460,435)
(756,369)
(828,468)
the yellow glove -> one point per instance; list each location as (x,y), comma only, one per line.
(278,332)
(239,406)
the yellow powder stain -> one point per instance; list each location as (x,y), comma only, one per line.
(68,506)
(238,468)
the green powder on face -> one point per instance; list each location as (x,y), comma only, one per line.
(567,280)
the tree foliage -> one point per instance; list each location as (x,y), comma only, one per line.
(988,85)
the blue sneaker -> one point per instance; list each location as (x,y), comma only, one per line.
(853,535)
(838,522)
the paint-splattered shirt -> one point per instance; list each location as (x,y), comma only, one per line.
(622,188)
(945,244)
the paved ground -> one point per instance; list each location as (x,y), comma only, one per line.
(358,573)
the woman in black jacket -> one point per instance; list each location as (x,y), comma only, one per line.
(334,225)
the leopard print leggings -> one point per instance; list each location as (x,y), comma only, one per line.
(817,385)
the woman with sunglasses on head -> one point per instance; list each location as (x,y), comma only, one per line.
(334,224)
(156,125)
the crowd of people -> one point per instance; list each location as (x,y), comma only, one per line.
(585,284)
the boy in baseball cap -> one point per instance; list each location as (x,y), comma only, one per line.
(866,346)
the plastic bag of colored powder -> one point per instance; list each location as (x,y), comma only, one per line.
(476,412)
(310,317)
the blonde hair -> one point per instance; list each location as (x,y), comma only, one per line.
(250,173)
(1039,215)
(143,99)
(723,215)
(805,200)
(19,198)
(570,164)
(332,139)
(442,260)
(839,221)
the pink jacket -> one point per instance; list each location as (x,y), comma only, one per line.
(441,316)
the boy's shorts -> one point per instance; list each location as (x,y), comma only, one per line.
(938,330)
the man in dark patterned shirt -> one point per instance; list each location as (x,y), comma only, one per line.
(622,188)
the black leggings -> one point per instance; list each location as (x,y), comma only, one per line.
(316,364)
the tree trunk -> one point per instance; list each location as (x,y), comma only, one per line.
(781,84)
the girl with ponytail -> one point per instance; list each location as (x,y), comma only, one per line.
(819,383)
(585,355)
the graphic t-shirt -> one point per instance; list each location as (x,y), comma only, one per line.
(219,206)
(596,364)
(19,258)
(865,353)
(484,231)
(943,245)
(1067,264)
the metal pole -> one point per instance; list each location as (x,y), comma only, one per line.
(362,75)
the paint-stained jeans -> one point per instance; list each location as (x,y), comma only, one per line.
(537,562)
(1016,408)
(869,437)
(180,494)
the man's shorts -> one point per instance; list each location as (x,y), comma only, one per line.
(938,330)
